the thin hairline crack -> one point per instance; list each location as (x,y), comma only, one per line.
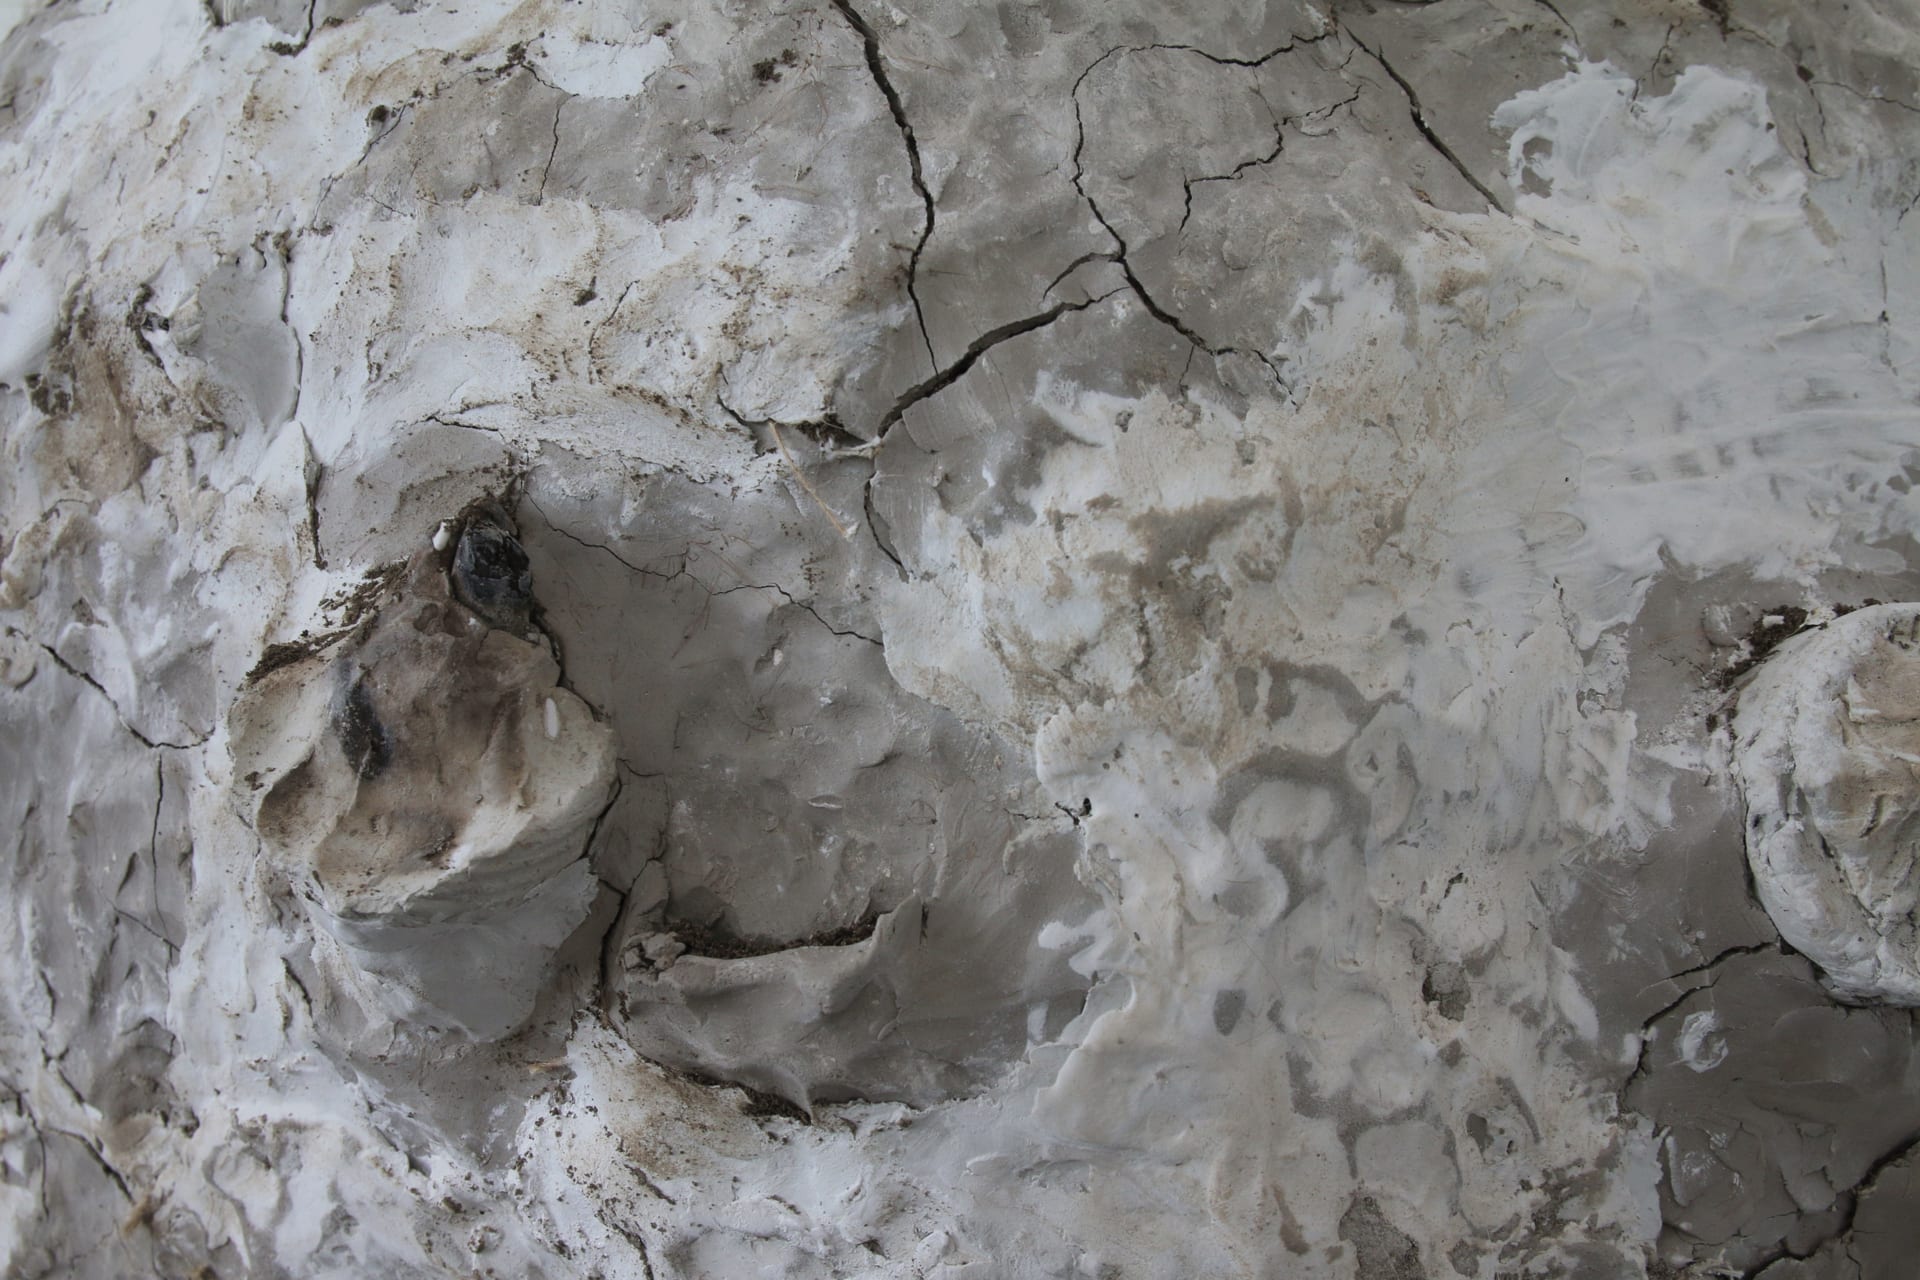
(684,572)
(1121,251)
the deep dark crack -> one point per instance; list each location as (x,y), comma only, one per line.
(1092,255)
(944,378)
(291,49)
(877,67)
(1751,949)
(1849,1200)
(313,475)
(1420,122)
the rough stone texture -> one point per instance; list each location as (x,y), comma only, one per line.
(1136,627)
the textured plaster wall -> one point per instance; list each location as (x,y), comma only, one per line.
(956,639)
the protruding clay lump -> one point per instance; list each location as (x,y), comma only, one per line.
(1827,752)
(433,787)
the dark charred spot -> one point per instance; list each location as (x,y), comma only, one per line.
(365,742)
(769,70)
(1766,635)
(491,576)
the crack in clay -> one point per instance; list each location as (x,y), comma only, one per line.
(793,464)
(99,1156)
(391,118)
(306,997)
(1561,18)
(1647,1037)
(124,914)
(1419,116)
(444,421)
(87,679)
(1280,127)
(282,244)
(392,121)
(877,68)
(1119,257)
(814,428)
(1219,59)
(690,576)
(717,944)
(939,382)
(1091,255)
(791,599)
(608,949)
(313,473)
(1188,184)
(1750,949)
(1659,57)
(1842,1231)
(979,347)
(540,197)
(288,48)
(1878,99)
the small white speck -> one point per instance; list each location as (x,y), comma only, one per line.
(779,656)
(442,536)
(552,714)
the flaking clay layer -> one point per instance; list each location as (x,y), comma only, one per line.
(684,639)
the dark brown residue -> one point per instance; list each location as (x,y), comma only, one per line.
(287,652)
(718,943)
(1763,638)
(758,1101)
(769,70)
(356,606)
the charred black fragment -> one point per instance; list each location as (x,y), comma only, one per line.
(1763,638)
(491,575)
(365,742)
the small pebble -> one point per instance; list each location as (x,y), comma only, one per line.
(442,537)
(552,714)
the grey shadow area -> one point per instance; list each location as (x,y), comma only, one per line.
(828,888)
(1784,1119)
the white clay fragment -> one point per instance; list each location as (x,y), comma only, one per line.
(1827,748)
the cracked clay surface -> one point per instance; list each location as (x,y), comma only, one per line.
(701,639)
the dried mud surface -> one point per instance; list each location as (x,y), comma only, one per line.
(839,639)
